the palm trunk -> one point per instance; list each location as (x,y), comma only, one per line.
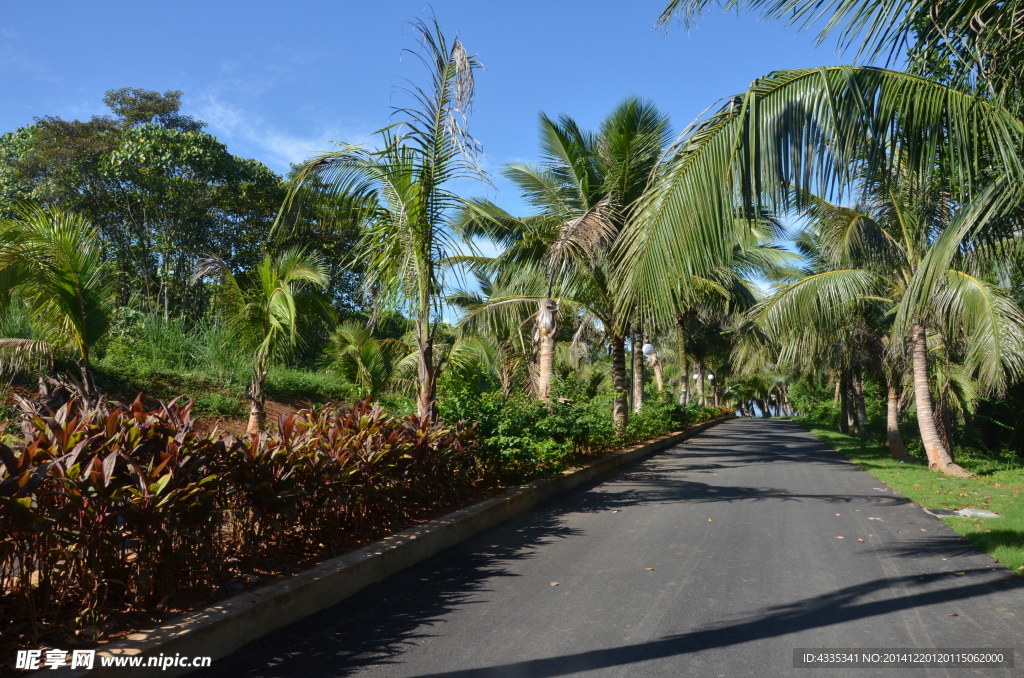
(939,458)
(893,438)
(684,389)
(426,406)
(699,371)
(860,409)
(659,377)
(844,402)
(85,369)
(257,415)
(547,324)
(763,405)
(638,372)
(620,406)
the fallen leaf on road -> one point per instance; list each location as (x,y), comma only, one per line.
(954,614)
(840,537)
(838,514)
(923,530)
(554,583)
(860,540)
(959,574)
(615,511)
(649,569)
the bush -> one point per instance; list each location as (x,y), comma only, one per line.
(287,383)
(116,507)
(516,440)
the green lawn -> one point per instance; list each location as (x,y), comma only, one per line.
(998,487)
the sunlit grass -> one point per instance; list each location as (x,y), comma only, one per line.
(998,487)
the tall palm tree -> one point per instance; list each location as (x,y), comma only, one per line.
(400,193)
(885,253)
(263,309)
(50,261)
(584,191)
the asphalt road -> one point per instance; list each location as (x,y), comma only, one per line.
(717,557)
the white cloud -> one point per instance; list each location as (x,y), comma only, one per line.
(278,149)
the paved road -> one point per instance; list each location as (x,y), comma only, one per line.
(715,558)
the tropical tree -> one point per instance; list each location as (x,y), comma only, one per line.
(50,263)
(373,365)
(584,192)
(401,194)
(978,42)
(159,189)
(883,254)
(263,308)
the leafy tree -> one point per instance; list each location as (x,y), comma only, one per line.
(585,192)
(161,191)
(373,365)
(885,254)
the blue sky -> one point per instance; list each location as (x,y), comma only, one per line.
(278,82)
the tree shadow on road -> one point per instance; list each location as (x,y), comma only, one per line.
(376,625)
(845,605)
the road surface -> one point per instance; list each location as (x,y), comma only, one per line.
(718,557)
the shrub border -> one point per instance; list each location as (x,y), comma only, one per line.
(222,628)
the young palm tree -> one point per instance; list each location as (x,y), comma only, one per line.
(401,195)
(372,365)
(263,308)
(50,261)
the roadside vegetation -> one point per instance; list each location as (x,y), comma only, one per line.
(997,486)
(354,362)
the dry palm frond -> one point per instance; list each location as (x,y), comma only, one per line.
(583,238)
(17,354)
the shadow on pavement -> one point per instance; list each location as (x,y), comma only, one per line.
(825,610)
(377,624)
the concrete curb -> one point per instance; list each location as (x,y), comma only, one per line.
(220,629)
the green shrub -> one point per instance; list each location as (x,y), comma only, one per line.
(290,384)
(220,405)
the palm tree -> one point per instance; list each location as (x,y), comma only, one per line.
(885,254)
(400,194)
(372,365)
(263,309)
(50,261)
(585,192)
(977,41)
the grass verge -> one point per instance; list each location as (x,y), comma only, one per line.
(997,489)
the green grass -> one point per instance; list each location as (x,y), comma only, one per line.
(998,487)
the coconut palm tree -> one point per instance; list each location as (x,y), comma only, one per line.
(50,262)
(401,194)
(883,255)
(584,192)
(263,308)
(978,41)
